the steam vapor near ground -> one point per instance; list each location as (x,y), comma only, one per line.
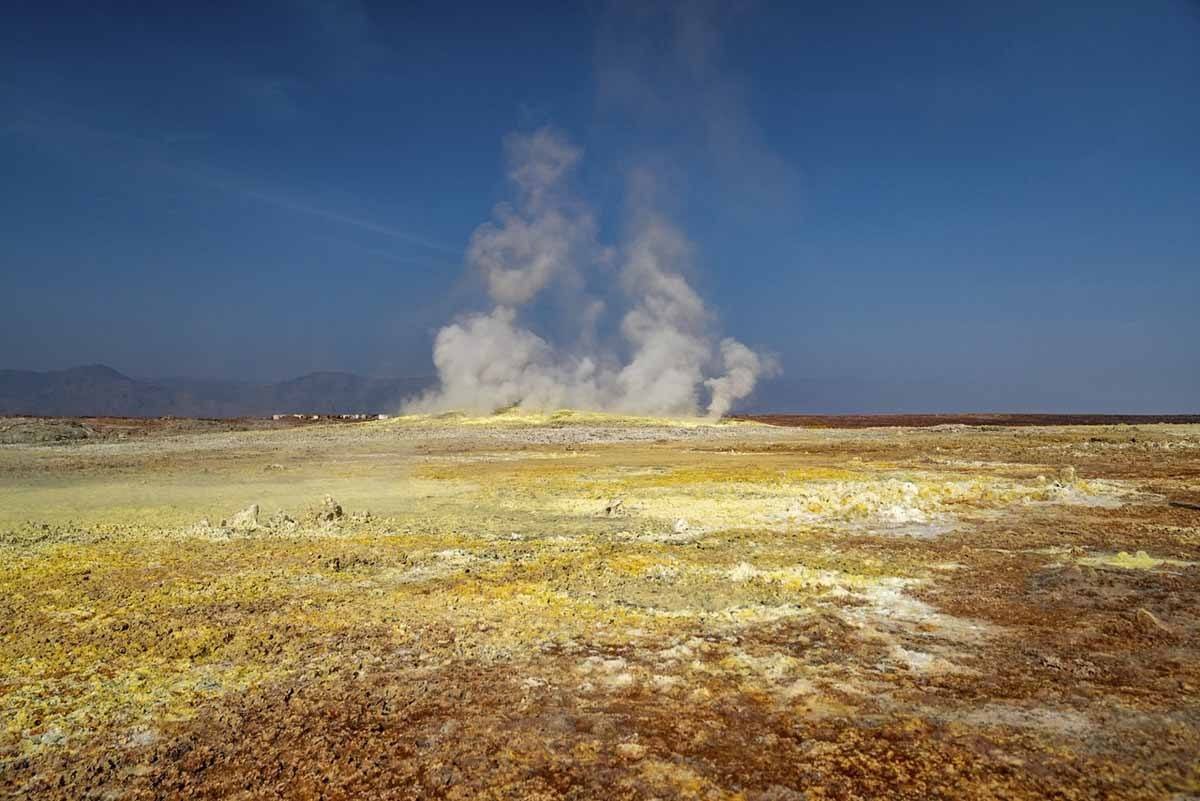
(665,358)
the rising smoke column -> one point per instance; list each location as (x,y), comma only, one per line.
(667,362)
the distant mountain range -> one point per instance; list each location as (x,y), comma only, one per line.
(100,391)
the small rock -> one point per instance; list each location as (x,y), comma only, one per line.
(681,526)
(615,507)
(329,511)
(1085,669)
(1066,475)
(52,736)
(1053,662)
(245,519)
(1150,624)
(631,750)
(140,738)
(281,521)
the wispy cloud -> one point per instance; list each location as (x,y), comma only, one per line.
(153,151)
(228,182)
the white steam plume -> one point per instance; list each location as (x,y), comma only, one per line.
(666,359)
(548,232)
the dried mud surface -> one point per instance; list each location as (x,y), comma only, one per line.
(578,606)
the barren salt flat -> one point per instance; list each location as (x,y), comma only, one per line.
(585,606)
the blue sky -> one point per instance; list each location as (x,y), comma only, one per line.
(940,206)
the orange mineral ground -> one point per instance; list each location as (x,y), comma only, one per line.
(583,606)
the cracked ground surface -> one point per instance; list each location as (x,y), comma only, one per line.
(578,606)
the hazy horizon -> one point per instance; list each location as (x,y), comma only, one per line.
(780,395)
